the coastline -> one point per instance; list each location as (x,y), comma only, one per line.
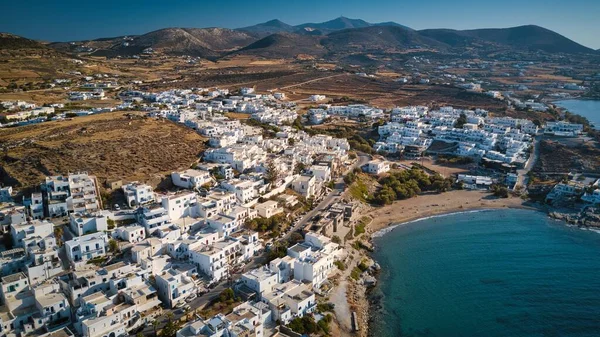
(430,205)
(409,211)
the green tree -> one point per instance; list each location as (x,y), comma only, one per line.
(110,224)
(272,175)
(461,121)
(113,246)
(155,324)
(226,295)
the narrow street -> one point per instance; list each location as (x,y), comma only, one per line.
(332,196)
(522,173)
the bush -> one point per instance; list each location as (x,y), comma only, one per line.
(500,191)
(336,239)
(355,274)
(359,229)
(341,266)
(324,307)
(226,295)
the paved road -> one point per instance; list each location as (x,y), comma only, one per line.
(522,173)
(332,196)
(260,260)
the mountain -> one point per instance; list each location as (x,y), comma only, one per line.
(390,23)
(450,37)
(201,42)
(14,42)
(378,38)
(334,25)
(341,36)
(267,28)
(523,37)
(194,41)
(285,45)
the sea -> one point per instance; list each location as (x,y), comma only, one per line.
(589,109)
(487,273)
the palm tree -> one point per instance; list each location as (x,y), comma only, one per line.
(155,324)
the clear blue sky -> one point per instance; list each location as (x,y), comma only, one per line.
(67,20)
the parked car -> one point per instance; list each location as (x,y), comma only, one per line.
(117,207)
(190,298)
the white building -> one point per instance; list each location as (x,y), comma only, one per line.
(190,178)
(268,208)
(138,194)
(84,248)
(377,167)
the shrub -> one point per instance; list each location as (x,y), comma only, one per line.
(341,266)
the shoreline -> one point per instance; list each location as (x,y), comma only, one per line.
(422,207)
(431,205)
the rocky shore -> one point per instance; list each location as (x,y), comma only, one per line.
(589,217)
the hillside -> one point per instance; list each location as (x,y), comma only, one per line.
(378,38)
(265,29)
(338,36)
(284,45)
(201,42)
(193,41)
(450,37)
(109,145)
(523,37)
(334,25)
(14,42)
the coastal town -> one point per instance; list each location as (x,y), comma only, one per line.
(262,233)
(189,182)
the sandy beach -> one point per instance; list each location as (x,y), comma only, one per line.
(436,204)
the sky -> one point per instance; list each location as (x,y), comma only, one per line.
(69,20)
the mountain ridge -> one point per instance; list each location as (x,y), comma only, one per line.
(338,36)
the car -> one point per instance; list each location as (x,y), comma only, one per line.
(186,308)
(117,207)
(190,298)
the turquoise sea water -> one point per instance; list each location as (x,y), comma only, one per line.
(489,273)
(589,109)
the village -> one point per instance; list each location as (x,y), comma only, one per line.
(246,241)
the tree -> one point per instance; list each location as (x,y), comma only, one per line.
(58,234)
(155,324)
(291,141)
(299,168)
(272,175)
(296,237)
(110,224)
(113,246)
(500,191)
(170,329)
(461,121)
(226,295)
(336,239)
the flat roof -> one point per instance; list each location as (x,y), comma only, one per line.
(14,277)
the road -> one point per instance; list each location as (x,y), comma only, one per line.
(332,196)
(258,261)
(309,81)
(522,173)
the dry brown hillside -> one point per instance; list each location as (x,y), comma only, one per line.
(110,145)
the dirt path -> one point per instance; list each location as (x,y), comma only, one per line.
(310,81)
